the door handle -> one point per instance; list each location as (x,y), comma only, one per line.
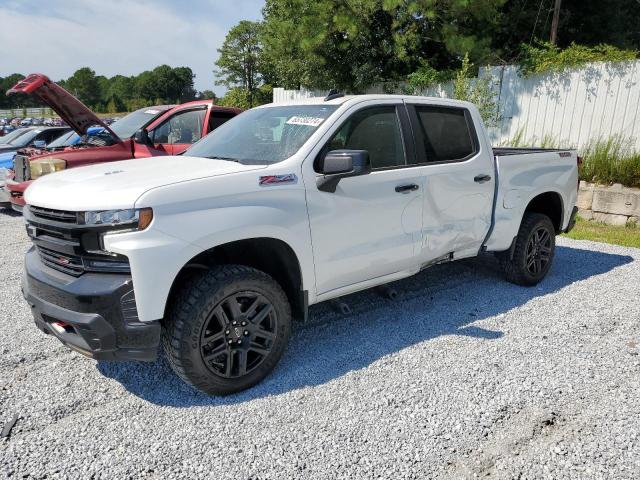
(407,188)
(482,178)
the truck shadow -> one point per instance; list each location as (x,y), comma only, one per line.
(443,300)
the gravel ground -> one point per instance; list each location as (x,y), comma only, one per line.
(465,375)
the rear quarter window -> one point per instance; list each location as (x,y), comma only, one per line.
(447,133)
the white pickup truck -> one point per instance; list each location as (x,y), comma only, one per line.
(214,252)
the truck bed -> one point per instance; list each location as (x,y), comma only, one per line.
(504,151)
(524,173)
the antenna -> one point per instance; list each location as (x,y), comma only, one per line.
(333,93)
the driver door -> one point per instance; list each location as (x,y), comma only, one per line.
(371,225)
(178,132)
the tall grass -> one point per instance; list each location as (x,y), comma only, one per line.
(611,160)
(604,160)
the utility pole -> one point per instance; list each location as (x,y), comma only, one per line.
(554,22)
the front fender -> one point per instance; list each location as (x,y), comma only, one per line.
(182,230)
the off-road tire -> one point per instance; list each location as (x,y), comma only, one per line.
(516,268)
(191,311)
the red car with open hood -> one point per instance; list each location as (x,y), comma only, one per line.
(148,132)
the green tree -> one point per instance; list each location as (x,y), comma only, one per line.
(11,101)
(184,84)
(239,60)
(115,105)
(239,97)
(85,86)
(589,23)
(207,95)
(121,87)
(352,45)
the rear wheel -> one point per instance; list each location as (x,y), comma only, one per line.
(533,252)
(227,329)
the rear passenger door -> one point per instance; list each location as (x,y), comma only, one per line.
(459,179)
(370,226)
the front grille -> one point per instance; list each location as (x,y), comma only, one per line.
(21,168)
(69,247)
(70,264)
(57,215)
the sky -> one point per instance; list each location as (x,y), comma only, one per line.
(56,37)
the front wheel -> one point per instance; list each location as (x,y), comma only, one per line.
(533,252)
(227,329)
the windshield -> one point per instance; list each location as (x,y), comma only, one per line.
(13,135)
(130,124)
(24,140)
(263,135)
(64,140)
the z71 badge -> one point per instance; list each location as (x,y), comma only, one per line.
(269,180)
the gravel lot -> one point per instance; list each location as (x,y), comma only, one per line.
(465,375)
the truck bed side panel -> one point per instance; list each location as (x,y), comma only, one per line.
(522,177)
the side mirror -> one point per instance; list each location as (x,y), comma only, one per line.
(339,164)
(39,144)
(142,136)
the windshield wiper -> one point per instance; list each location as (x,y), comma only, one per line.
(228,159)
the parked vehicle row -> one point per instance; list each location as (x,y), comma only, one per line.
(214,252)
(31,122)
(28,139)
(148,132)
(17,122)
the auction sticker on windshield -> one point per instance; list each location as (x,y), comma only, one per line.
(309,121)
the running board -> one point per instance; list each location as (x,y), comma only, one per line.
(437,261)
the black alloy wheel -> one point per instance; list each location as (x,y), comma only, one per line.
(538,252)
(226,328)
(239,334)
(530,260)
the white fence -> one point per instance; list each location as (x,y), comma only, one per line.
(572,109)
(27,112)
(598,101)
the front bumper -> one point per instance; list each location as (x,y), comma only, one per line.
(93,314)
(15,190)
(5,198)
(572,220)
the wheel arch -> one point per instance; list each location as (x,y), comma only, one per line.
(548,203)
(272,256)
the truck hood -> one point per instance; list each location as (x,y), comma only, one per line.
(116,185)
(75,113)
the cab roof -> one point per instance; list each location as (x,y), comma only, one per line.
(360,98)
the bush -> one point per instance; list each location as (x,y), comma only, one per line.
(614,160)
(426,77)
(239,97)
(543,57)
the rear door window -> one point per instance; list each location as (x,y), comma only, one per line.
(218,118)
(447,133)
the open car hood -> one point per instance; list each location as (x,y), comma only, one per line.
(75,113)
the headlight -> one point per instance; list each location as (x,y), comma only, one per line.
(46,165)
(138,218)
